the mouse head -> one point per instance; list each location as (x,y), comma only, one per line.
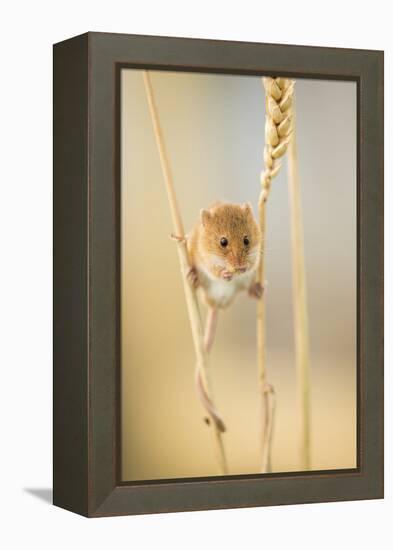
(231,239)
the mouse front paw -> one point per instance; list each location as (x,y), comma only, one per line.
(192,276)
(256,290)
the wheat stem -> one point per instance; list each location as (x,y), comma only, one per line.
(299,302)
(191,298)
(279,93)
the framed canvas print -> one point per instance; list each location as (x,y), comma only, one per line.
(218,274)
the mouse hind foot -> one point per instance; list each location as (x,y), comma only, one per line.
(193,277)
(256,290)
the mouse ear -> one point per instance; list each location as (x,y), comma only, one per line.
(205,216)
(246,207)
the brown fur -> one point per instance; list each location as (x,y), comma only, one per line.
(232,221)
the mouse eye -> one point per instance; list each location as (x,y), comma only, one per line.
(246,241)
(224,242)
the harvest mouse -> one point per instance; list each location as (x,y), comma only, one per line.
(224,250)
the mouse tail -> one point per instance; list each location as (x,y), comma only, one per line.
(207,402)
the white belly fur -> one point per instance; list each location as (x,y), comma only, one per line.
(222,292)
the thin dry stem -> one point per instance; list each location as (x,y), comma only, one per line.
(191,298)
(299,303)
(278,127)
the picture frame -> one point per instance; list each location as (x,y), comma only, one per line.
(86,373)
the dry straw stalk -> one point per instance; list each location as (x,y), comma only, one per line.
(278,128)
(191,298)
(299,302)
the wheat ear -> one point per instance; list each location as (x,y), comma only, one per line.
(278,125)
(299,301)
(191,298)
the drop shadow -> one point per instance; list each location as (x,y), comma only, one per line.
(43,494)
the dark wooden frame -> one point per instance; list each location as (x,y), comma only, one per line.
(86,274)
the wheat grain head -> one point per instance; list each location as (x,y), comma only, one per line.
(278,127)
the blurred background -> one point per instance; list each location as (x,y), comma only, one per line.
(214,131)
